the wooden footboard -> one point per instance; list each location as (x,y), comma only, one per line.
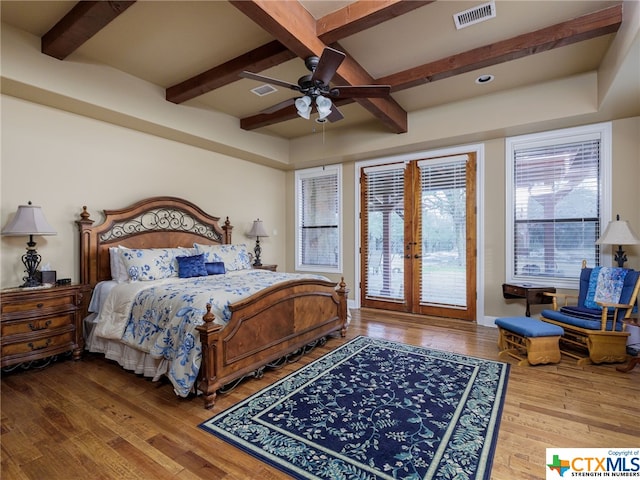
(267,326)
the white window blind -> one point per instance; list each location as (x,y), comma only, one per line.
(384,240)
(443,230)
(318,207)
(556,206)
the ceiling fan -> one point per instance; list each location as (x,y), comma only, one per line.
(316,89)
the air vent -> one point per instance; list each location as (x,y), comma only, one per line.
(475,15)
(263,90)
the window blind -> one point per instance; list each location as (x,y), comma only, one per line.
(443,231)
(384,239)
(318,203)
(557,208)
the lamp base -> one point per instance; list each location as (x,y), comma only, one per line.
(258,251)
(31,260)
(620,257)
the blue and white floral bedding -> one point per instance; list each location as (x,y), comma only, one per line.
(159,317)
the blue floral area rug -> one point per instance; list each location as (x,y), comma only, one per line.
(375,409)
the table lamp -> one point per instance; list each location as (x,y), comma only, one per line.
(29,220)
(619,233)
(257,230)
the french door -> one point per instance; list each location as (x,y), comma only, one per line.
(418,236)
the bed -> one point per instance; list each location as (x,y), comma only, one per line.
(238,339)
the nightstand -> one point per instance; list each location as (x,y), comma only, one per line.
(264,266)
(41,322)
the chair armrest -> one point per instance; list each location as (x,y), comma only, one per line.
(616,306)
(556,296)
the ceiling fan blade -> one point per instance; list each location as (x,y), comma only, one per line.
(279,106)
(361,91)
(335,114)
(272,81)
(327,65)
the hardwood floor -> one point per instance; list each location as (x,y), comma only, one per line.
(90,419)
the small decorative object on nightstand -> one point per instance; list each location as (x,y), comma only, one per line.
(29,220)
(265,266)
(257,230)
(39,323)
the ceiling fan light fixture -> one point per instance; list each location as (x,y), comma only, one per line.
(303,106)
(324,107)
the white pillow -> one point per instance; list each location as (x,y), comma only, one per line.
(143,264)
(234,257)
(118,269)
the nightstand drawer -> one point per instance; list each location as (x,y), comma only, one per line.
(42,345)
(61,302)
(39,324)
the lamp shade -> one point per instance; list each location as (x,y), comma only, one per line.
(257,230)
(28,220)
(618,232)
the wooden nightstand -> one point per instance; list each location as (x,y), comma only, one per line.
(42,322)
(264,266)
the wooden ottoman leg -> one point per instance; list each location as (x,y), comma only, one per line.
(543,350)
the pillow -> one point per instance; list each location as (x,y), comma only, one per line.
(143,264)
(192,266)
(234,257)
(118,268)
(215,268)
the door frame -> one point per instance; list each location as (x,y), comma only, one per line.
(478,149)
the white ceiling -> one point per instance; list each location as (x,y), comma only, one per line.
(167,42)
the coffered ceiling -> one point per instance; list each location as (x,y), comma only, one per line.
(196,50)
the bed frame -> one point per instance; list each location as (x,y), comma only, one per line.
(264,328)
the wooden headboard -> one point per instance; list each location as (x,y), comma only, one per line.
(157,222)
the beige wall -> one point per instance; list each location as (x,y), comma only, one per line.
(62,161)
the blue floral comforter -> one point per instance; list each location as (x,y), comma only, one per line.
(160,317)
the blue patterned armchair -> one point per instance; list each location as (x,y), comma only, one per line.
(595,326)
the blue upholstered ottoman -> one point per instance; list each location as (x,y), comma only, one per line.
(538,340)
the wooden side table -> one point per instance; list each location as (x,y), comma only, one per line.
(41,322)
(531,294)
(265,266)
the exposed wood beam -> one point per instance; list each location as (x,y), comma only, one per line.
(347,21)
(588,26)
(582,28)
(294,27)
(359,16)
(81,23)
(261,58)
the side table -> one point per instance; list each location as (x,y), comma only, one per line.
(533,295)
(265,266)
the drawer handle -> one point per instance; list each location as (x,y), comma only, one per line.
(33,347)
(35,328)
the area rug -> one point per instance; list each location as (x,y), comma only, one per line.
(375,409)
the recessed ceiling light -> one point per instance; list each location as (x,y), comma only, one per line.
(482,79)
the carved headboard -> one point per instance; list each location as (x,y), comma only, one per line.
(156,222)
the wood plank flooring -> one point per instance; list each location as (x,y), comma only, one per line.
(91,419)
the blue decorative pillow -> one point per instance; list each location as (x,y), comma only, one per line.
(215,268)
(192,266)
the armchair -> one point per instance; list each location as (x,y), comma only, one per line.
(594,328)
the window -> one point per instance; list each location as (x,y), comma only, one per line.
(557,201)
(318,219)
